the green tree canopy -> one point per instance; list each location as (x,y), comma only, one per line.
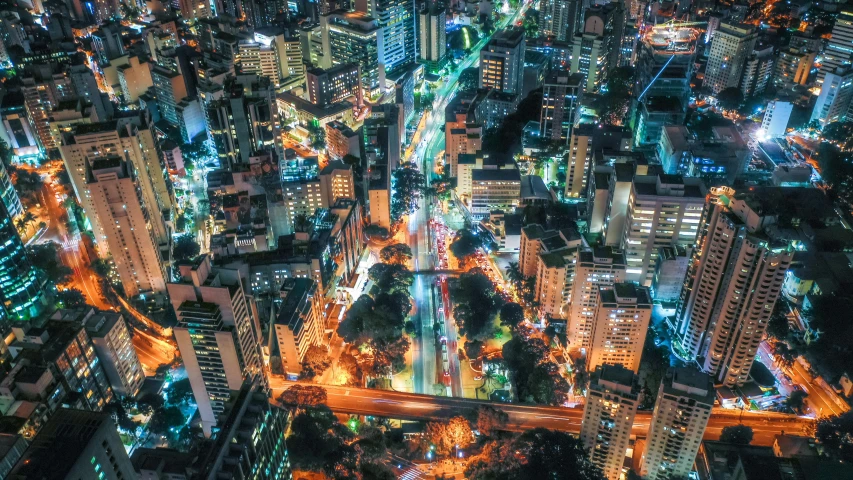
(408,185)
(730,99)
(739,434)
(477,303)
(185,248)
(398,253)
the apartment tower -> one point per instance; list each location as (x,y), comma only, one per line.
(619,326)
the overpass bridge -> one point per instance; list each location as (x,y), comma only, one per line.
(411,406)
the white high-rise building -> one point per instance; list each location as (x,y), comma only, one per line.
(731,46)
(608,416)
(130,140)
(124,219)
(836,97)
(663,211)
(112,341)
(681,414)
(502,61)
(218,334)
(732,286)
(559,18)
(839,48)
(596,269)
(555,272)
(775,121)
(259,59)
(433,36)
(619,326)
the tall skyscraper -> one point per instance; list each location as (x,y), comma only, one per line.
(253,444)
(836,97)
(731,46)
(75,444)
(619,326)
(20,289)
(502,61)
(838,51)
(597,47)
(299,324)
(597,269)
(218,334)
(124,220)
(561,98)
(663,210)
(608,416)
(355,37)
(682,410)
(115,349)
(732,285)
(397,20)
(559,19)
(432,34)
(131,139)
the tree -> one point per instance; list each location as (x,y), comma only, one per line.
(445,437)
(777,326)
(465,245)
(739,434)
(316,362)
(836,435)
(355,163)
(490,420)
(389,355)
(28,183)
(535,378)
(613,103)
(730,99)
(45,257)
(513,273)
(101,267)
(477,303)
(796,401)
(653,365)
(165,419)
(317,135)
(303,396)
(408,184)
(185,248)
(180,392)
(350,371)
(391,278)
(536,454)
(784,354)
(839,133)
(71,298)
(512,314)
(317,442)
(398,253)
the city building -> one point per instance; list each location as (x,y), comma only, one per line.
(125,226)
(837,53)
(793,67)
(61,355)
(608,416)
(75,445)
(776,117)
(381,147)
(502,61)
(555,267)
(341,140)
(670,269)
(461,137)
(619,326)
(336,182)
(682,410)
(161,464)
(115,349)
(169,88)
(245,121)
(288,51)
(191,120)
(733,283)
(349,37)
(654,113)
(559,19)
(135,79)
(299,324)
(256,58)
(131,138)
(396,18)
(663,210)
(720,158)
(20,288)
(596,270)
(561,98)
(494,190)
(730,48)
(218,334)
(432,26)
(584,142)
(597,47)
(757,70)
(836,96)
(336,84)
(252,441)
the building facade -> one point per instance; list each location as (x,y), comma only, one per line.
(619,327)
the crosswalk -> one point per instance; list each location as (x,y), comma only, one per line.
(411,473)
(71,243)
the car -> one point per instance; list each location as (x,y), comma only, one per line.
(446,373)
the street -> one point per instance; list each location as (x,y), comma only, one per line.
(391,404)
